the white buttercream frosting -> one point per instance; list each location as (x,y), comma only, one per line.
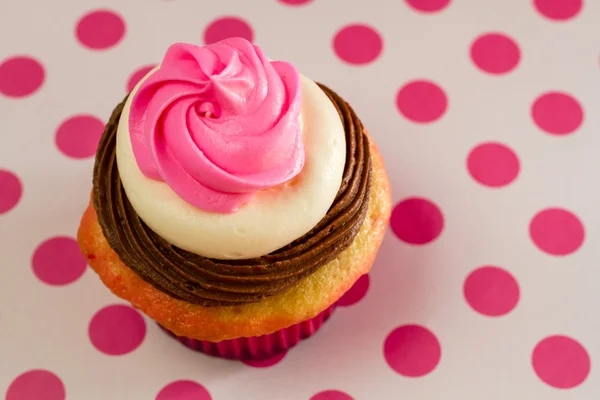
(272,219)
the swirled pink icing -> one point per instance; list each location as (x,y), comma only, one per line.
(218,123)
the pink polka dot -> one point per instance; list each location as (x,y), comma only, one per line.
(78,136)
(357,44)
(428,5)
(58,261)
(557,113)
(21,76)
(137,76)
(116,330)
(356,292)
(558,10)
(295,2)
(417,221)
(269,362)
(421,101)
(100,29)
(226,27)
(561,362)
(36,384)
(557,231)
(495,53)
(331,395)
(11,190)
(412,350)
(493,164)
(491,291)
(183,390)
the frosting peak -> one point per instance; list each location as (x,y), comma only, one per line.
(218,123)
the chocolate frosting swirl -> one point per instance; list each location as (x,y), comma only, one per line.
(210,282)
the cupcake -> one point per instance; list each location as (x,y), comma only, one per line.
(234,200)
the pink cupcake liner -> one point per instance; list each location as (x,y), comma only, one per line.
(258,347)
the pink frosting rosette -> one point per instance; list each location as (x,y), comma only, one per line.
(218,123)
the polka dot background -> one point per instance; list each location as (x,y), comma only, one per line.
(486,285)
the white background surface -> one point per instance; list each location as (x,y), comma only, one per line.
(46,326)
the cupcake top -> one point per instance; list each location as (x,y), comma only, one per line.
(234,156)
(228,177)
